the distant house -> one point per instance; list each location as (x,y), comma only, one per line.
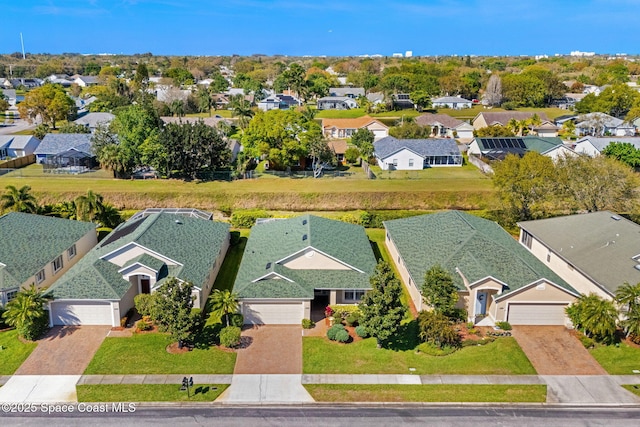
(502,118)
(10,95)
(295,267)
(336,103)
(445,126)
(416,154)
(601,124)
(92,120)
(344,128)
(59,79)
(36,249)
(595,252)
(545,130)
(27,83)
(402,101)
(496,148)
(350,92)
(339,148)
(453,102)
(17,145)
(593,146)
(136,258)
(86,81)
(168,94)
(278,102)
(64,145)
(497,278)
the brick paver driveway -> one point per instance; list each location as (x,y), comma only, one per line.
(552,350)
(65,350)
(270,349)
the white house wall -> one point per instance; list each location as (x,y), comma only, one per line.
(403,158)
(310,259)
(409,284)
(585,147)
(542,293)
(474,149)
(126,302)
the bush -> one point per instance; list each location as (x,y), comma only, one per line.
(473,343)
(342,311)
(351,155)
(435,328)
(247,218)
(353,318)
(142,325)
(342,336)
(587,342)
(230,336)
(333,331)
(236,319)
(505,326)
(358,217)
(307,323)
(3,325)
(144,304)
(361,331)
(434,350)
(35,329)
(509,105)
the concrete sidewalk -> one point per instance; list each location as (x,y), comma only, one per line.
(40,389)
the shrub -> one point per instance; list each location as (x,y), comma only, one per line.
(434,350)
(473,331)
(358,217)
(144,304)
(247,218)
(333,331)
(3,325)
(353,318)
(473,343)
(436,328)
(505,326)
(342,311)
(586,341)
(342,336)
(361,331)
(351,155)
(509,105)
(307,323)
(230,336)
(34,329)
(141,325)
(236,319)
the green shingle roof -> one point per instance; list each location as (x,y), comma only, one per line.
(29,242)
(191,242)
(274,241)
(477,247)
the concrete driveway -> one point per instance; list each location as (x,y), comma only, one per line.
(65,350)
(552,350)
(270,349)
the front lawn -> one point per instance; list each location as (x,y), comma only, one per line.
(427,393)
(13,351)
(502,357)
(622,360)
(147,354)
(148,393)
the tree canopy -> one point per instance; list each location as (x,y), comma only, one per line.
(49,102)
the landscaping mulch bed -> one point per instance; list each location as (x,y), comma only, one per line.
(173,349)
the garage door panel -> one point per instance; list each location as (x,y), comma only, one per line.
(272,314)
(537,314)
(79,313)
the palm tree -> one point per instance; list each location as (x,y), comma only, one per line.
(224,303)
(629,295)
(241,109)
(64,209)
(89,206)
(18,200)
(599,317)
(26,312)
(110,157)
(109,216)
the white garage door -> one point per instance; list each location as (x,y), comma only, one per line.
(382,133)
(81,313)
(536,314)
(273,314)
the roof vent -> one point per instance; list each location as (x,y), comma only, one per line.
(268,266)
(637,267)
(304,222)
(615,217)
(304,237)
(177,221)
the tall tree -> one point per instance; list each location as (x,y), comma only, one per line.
(48,102)
(205,102)
(224,303)
(596,316)
(363,139)
(18,200)
(89,206)
(439,291)
(381,308)
(172,309)
(625,152)
(493,93)
(241,110)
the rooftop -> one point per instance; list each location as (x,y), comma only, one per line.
(389,145)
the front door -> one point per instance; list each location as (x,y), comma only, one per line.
(145,285)
(481,302)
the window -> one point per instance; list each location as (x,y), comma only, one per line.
(410,162)
(353,295)
(57,264)
(40,276)
(526,239)
(71,252)
(395,162)
(11,295)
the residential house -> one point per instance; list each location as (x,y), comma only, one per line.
(601,124)
(10,95)
(137,257)
(295,266)
(86,81)
(27,83)
(339,148)
(344,128)
(278,102)
(350,92)
(17,145)
(336,103)
(595,252)
(59,79)
(497,278)
(168,93)
(453,102)
(496,148)
(502,118)
(92,120)
(445,126)
(416,154)
(402,101)
(593,146)
(61,144)
(545,130)
(37,249)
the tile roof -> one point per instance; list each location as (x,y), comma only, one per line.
(600,244)
(389,145)
(29,242)
(276,240)
(193,243)
(355,123)
(438,119)
(477,247)
(55,143)
(503,117)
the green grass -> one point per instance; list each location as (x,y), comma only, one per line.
(13,352)
(148,393)
(227,114)
(635,389)
(427,393)
(146,354)
(620,360)
(466,171)
(502,357)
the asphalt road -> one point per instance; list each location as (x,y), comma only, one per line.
(324,416)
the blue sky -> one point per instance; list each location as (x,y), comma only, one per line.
(334,28)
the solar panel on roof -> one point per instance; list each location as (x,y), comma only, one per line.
(521,143)
(489,143)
